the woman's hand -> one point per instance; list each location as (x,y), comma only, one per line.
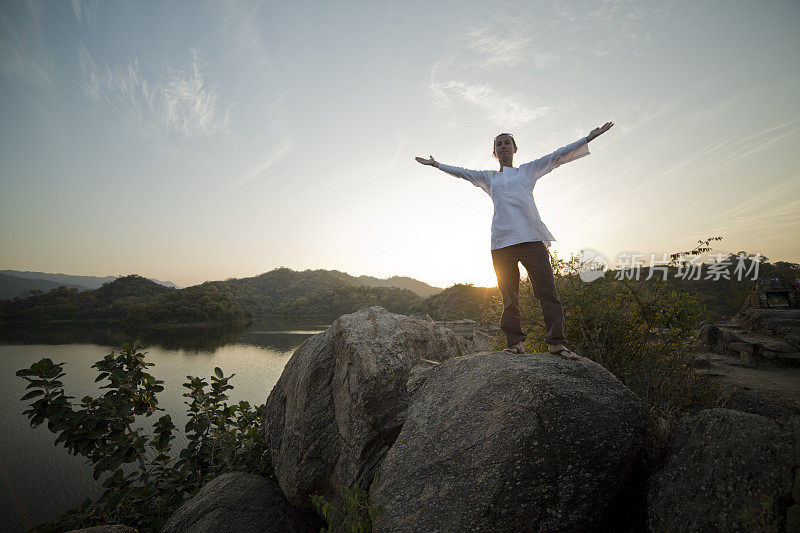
(599,131)
(431,161)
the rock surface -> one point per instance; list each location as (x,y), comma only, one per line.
(756,336)
(342,399)
(719,463)
(116,528)
(780,384)
(503,442)
(240,503)
(782,323)
(751,402)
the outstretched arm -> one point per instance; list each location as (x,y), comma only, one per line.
(565,154)
(476,177)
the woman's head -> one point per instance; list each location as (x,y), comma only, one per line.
(504,145)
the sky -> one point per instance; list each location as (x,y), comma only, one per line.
(192,141)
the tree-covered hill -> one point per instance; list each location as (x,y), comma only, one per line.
(285,292)
(195,304)
(133,286)
(456,302)
(280,292)
(33,280)
(402,282)
(126,300)
(12,286)
(314,293)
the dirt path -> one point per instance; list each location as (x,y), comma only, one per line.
(778,383)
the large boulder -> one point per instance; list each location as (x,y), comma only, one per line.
(503,442)
(750,402)
(342,399)
(240,503)
(116,528)
(782,322)
(719,465)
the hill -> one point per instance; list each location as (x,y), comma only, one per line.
(126,300)
(327,293)
(403,282)
(280,292)
(456,302)
(15,286)
(27,280)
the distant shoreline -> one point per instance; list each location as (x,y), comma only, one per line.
(117,323)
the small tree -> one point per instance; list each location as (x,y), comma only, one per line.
(637,329)
(221,438)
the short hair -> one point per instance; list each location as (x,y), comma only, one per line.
(512,140)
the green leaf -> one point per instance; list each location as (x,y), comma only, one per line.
(42,366)
(218,372)
(32,394)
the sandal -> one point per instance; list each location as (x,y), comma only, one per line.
(566,353)
(514,349)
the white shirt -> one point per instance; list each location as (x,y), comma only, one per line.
(516,218)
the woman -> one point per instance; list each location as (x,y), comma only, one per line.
(519,235)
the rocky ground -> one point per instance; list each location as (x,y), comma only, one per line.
(757,351)
(452,440)
(771,382)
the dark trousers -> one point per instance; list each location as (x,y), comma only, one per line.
(535,259)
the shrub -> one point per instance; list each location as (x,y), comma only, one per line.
(639,330)
(144,483)
(352,512)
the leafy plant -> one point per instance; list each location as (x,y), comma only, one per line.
(352,512)
(143,486)
(638,329)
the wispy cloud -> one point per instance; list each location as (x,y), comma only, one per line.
(279,153)
(718,155)
(617,26)
(497,46)
(178,102)
(187,104)
(626,21)
(766,201)
(632,115)
(361,171)
(242,27)
(85,10)
(716,109)
(502,108)
(23,52)
(759,146)
(268,161)
(502,50)
(773,215)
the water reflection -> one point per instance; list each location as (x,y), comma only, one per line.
(280,335)
(45,480)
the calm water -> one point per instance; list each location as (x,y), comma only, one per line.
(38,481)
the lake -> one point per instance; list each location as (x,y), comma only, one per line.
(39,481)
